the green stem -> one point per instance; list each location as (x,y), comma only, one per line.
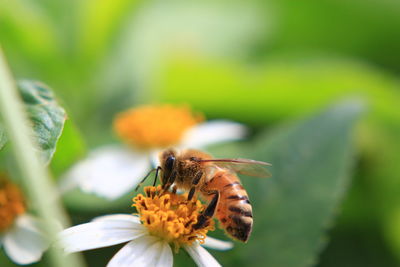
(35,176)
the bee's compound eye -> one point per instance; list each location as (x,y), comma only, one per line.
(169,163)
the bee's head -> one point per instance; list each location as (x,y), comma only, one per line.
(167,160)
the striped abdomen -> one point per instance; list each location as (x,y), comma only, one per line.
(233,210)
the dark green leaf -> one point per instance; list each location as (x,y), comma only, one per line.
(311,162)
(3,137)
(45,113)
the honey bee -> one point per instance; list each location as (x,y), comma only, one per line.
(217,182)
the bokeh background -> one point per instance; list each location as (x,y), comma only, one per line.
(263,63)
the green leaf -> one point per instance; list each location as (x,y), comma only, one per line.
(70,148)
(45,113)
(276,89)
(292,210)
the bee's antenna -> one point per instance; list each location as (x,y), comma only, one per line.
(147,175)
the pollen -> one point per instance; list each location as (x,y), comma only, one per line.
(171,217)
(150,126)
(11,203)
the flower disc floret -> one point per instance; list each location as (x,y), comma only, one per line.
(11,203)
(171,216)
(149,126)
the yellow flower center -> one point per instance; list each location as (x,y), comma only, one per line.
(155,126)
(171,216)
(11,203)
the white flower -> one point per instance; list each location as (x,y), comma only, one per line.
(20,235)
(114,170)
(142,249)
(166,221)
(23,242)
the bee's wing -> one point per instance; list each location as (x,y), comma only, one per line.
(243,166)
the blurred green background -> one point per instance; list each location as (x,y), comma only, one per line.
(263,63)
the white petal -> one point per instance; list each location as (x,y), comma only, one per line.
(119,217)
(144,251)
(103,232)
(213,132)
(201,256)
(166,258)
(24,243)
(217,244)
(109,172)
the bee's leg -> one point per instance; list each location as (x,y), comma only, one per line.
(195,181)
(208,212)
(171,180)
(191,193)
